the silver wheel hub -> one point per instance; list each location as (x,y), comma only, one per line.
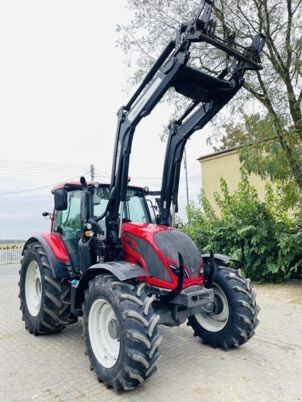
(33,288)
(104,333)
(217,320)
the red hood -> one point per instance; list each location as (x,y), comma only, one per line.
(144,230)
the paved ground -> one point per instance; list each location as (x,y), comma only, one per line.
(54,368)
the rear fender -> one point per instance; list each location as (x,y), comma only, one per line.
(60,267)
(122,270)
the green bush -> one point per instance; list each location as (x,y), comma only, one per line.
(260,233)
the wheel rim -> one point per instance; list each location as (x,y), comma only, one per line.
(33,288)
(104,333)
(216,321)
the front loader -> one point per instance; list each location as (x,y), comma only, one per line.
(124,271)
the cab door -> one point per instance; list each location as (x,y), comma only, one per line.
(68,224)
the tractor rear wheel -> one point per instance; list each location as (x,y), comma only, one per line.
(234,319)
(120,332)
(44,299)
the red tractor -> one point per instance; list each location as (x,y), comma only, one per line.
(125,273)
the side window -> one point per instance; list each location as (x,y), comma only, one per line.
(70,219)
(100,200)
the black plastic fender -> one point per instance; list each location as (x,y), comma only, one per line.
(121,269)
(222,258)
(211,260)
(218,257)
(59,269)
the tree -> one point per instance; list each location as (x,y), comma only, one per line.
(277,90)
(258,233)
(261,152)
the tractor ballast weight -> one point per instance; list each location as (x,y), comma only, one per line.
(106,261)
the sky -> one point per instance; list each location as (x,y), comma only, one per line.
(62,80)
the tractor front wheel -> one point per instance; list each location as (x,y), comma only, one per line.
(44,299)
(234,319)
(120,332)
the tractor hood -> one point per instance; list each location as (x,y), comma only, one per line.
(156,248)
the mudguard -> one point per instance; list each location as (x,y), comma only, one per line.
(121,269)
(60,267)
(222,258)
(218,257)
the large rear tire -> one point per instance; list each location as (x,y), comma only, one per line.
(44,299)
(234,319)
(120,332)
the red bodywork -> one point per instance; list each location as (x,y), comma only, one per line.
(145,232)
(57,246)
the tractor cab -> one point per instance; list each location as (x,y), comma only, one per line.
(73,208)
(79,222)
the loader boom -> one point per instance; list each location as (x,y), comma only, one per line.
(208,93)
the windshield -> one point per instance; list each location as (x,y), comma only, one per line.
(135,209)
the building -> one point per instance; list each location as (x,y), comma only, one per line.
(225,164)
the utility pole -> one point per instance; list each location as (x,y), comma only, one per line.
(92,173)
(186,173)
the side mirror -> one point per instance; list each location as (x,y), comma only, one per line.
(61,199)
(47,215)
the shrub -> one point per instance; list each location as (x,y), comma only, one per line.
(260,233)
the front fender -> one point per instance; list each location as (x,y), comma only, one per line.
(222,258)
(121,269)
(218,257)
(60,268)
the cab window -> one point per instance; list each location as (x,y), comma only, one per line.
(68,223)
(70,219)
(135,209)
(100,200)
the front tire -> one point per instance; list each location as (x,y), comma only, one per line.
(120,332)
(234,319)
(44,300)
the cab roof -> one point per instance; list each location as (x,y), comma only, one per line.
(76,185)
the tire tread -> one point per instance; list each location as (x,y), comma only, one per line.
(244,321)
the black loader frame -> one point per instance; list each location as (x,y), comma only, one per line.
(208,98)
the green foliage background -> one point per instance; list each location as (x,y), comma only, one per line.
(260,233)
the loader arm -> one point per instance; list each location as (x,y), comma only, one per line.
(179,133)
(209,95)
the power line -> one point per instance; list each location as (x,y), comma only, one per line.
(36,188)
(40,174)
(49,164)
(152,178)
(73,178)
